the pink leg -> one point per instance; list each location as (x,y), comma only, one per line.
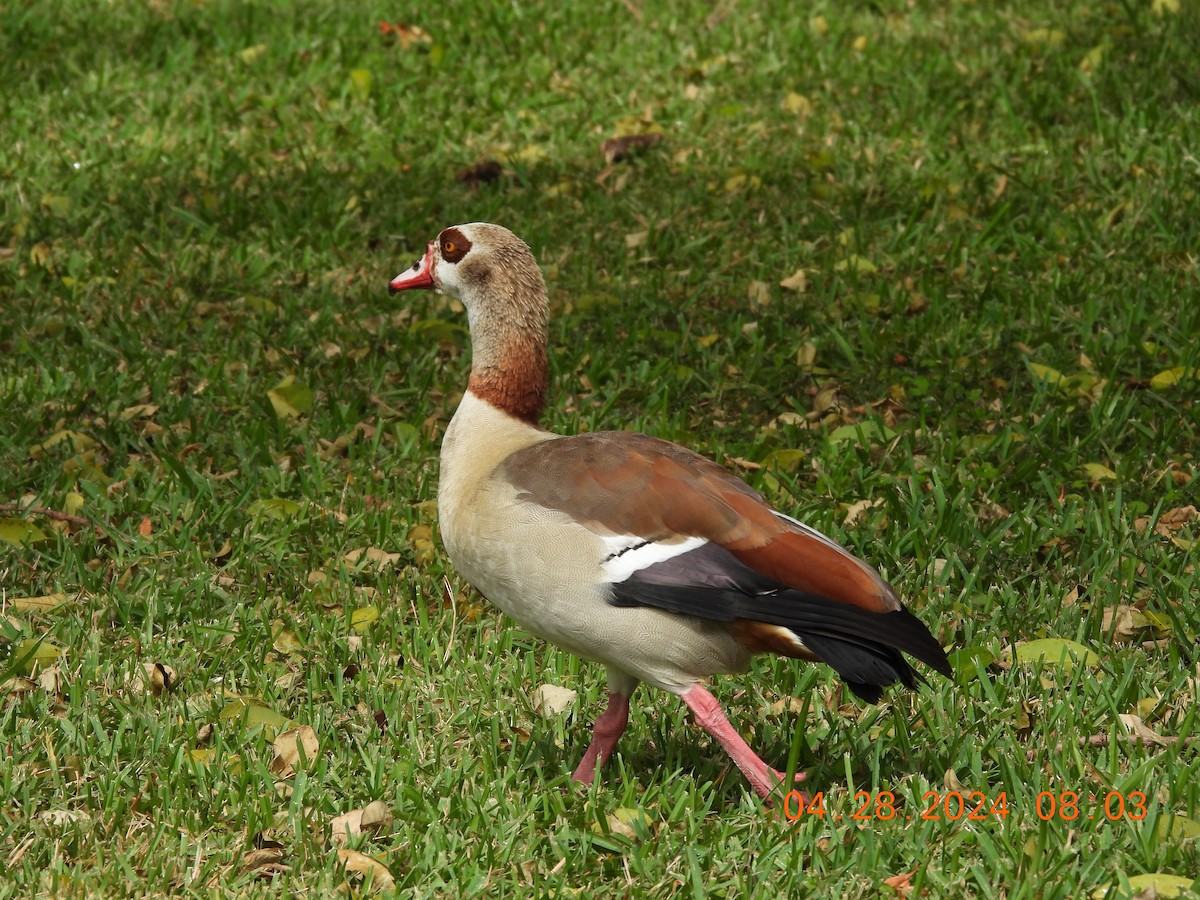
(605,734)
(707,710)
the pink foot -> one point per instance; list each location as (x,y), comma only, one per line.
(708,713)
(605,734)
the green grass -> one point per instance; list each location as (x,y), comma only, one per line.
(200,199)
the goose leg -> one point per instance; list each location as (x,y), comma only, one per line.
(609,727)
(708,713)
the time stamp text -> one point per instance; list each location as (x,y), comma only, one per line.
(970,806)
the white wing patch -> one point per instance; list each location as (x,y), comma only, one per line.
(628,554)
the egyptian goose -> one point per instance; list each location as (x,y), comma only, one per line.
(628,550)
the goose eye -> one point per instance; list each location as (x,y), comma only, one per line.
(447,246)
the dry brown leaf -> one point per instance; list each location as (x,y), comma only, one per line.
(1169,521)
(550,700)
(372,558)
(266,862)
(360,864)
(1139,729)
(289,746)
(797,281)
(759,293)
(855,511)
(902,883)
(617,149)
(155,679)
(1124,623)
(372,817)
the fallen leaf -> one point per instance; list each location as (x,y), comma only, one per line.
(618,149)
(629,822)
(902,883)
(266,862)
(483,172)
(797,281)
(796,105)
(1096,472)
(44,603)
(1124,623)
(368,820)
(865,433)
(250,54)
(290,398)
(1179,827)
(373,558)
(294,748)
(855,511)
(1056,652)
(856,263)
(63,817)
(274,508)
(154,679)
(371,870)
(32,655)
(1139,729)
(248,715)
(407,36)
(550,700)
(364,617)
(20,532)
(1154,884)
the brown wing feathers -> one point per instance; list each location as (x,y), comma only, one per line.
(760,571)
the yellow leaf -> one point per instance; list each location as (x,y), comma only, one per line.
(707,340)
(786,460)
(250,54)
(248,715)
(1179,827)
(1045,37)
(1045,374)
(33,654)
(44,603)
(274,508)
(797,105)
(759,293)
(20,532)
(56,203)
(1098,472)
(1163,7)
(855,263)
(361,80)
(819,25)
(1171,377)
(1056,652)
(364,617)
(1092,59)
(290,398)
(859,44)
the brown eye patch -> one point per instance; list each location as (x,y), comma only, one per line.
(454,245)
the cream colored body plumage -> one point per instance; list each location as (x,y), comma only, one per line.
(529,560)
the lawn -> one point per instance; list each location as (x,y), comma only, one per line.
(927,275)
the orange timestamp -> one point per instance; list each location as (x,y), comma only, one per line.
(972,806)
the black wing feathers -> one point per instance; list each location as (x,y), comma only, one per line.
(863,647)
